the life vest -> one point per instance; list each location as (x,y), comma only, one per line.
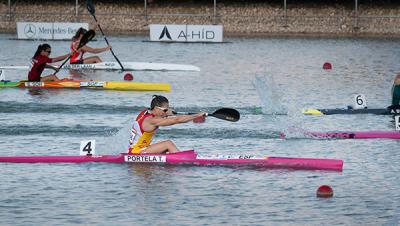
(78,55)
(139,139)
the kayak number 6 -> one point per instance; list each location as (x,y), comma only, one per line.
(360,101)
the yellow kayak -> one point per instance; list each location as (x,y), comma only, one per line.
(76,84)
(138,86)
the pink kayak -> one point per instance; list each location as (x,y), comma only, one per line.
(355,135)
(190,158)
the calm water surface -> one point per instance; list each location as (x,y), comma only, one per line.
(54,123)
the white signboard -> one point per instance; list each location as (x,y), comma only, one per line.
(2,75)
(32,30)
(186,33)
(360,101)
(87,147)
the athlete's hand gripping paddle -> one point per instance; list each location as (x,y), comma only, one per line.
(92,10)
(228,114)
(88,36)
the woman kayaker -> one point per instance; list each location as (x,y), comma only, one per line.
(147,123)
(40,61)
(77,56)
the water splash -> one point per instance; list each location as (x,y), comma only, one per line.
(293,133)
(270,100)
(118,142)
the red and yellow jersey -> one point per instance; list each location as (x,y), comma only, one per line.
(140,139)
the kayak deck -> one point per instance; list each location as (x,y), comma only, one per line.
(76,84)
(190,158)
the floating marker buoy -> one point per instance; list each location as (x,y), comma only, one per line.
(128,77)
(327,66)
(324,191)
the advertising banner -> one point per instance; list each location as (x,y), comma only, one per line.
(186,33)
(60,31)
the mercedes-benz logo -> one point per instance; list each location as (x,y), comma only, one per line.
(30,30)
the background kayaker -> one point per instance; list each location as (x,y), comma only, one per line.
(147,123)
(77,56)
(396,93)
(40,61)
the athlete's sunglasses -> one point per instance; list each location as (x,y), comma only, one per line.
(48,51)
(163,109)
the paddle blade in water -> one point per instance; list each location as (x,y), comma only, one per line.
(90,7)
(228,114)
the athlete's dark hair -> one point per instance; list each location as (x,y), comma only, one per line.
(158,101)
(41,48)
(80,31)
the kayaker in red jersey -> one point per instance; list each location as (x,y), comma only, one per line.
(77,56)
(147,123)
(40,61)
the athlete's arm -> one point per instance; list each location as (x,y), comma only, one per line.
(149,124)
(95,50)
(51,67)
(60,58)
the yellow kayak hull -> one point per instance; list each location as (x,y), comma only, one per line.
(75,84)
(138,86)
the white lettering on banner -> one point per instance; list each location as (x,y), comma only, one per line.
(145,158)
(186,33)
(32,30)
(92,84)
(34,84)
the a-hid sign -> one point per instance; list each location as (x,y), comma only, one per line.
(186,33)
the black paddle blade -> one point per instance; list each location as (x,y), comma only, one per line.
(228,114)
(90,7)
(87,37)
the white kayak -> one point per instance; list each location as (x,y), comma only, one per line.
(130,66)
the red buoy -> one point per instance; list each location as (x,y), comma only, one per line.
(324,191)
(128,77)
(327,66)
